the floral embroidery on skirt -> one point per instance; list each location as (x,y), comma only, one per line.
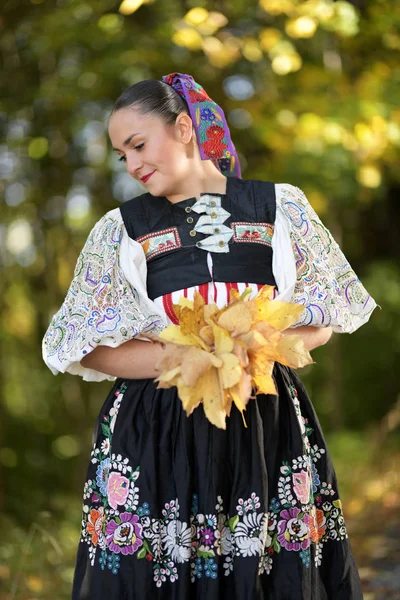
(120,523)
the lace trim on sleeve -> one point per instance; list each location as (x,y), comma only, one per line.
(102,307)
(325,282)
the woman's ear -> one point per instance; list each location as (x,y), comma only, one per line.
(184,128)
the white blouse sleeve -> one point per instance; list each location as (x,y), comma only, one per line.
(310,268)
(106,304)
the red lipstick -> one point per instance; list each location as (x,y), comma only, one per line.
(147,177)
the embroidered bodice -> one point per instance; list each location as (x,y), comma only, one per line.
(109,303)
(233,232)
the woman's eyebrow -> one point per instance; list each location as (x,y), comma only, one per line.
(126,142)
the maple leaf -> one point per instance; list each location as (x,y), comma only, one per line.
(216,357)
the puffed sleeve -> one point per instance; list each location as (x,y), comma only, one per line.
(310,268)
(106,304)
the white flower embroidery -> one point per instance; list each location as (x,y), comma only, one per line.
(251,534)
(176,539)
(105,446)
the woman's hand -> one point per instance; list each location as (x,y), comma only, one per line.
(312,336)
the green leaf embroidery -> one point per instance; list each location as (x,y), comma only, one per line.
(105,429)
(146,545)
(276,545)
(202,554)
(142,553)
(233,521)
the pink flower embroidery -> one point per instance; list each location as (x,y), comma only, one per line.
(302,486)
(117,489)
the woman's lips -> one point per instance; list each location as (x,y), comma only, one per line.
(144,179)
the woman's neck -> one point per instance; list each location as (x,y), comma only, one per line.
(208,185)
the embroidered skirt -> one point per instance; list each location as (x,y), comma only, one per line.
(175,508)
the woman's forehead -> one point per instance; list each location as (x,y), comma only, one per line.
(126,123)
(129,116)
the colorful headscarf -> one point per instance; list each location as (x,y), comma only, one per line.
(209,121)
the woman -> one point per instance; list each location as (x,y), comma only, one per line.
(174,507)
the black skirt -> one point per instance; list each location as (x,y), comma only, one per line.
(175,508)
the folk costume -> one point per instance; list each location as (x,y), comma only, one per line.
(173,506)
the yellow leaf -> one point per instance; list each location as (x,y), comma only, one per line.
(240,350)
(228,404)
(213,399)
(190,397)
(168,376)
(185,302)
(198,306)
(236,319)
(241,392)
(261,369)
(294,352)
(234,296)
(265,294)
(195,363)
(190,325)
(289,350)
(266,330)
(207,335)
(173,334)
(231,370)
(217,356)
(264,383)
(209,311)
(222,340)
(253,340)
(277,314)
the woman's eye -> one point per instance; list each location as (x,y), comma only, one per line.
(138,147)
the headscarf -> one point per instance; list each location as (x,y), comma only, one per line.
(210,124)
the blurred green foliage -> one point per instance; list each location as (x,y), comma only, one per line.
(310,89)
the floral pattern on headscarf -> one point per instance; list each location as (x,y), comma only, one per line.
(209,122)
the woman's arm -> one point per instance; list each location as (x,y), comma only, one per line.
(312,336)
(135,359)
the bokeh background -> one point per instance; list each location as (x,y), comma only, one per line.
(311,93)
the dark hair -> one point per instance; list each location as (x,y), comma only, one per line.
(153,97)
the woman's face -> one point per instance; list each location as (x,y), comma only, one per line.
(148,146)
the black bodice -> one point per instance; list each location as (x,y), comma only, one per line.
(166,233)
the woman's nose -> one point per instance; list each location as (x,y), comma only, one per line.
(133,164)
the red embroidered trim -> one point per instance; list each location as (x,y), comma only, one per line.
(203,290)
(268,227)
(169,311)
(176,244)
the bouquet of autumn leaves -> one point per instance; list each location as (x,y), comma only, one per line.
(219,356)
